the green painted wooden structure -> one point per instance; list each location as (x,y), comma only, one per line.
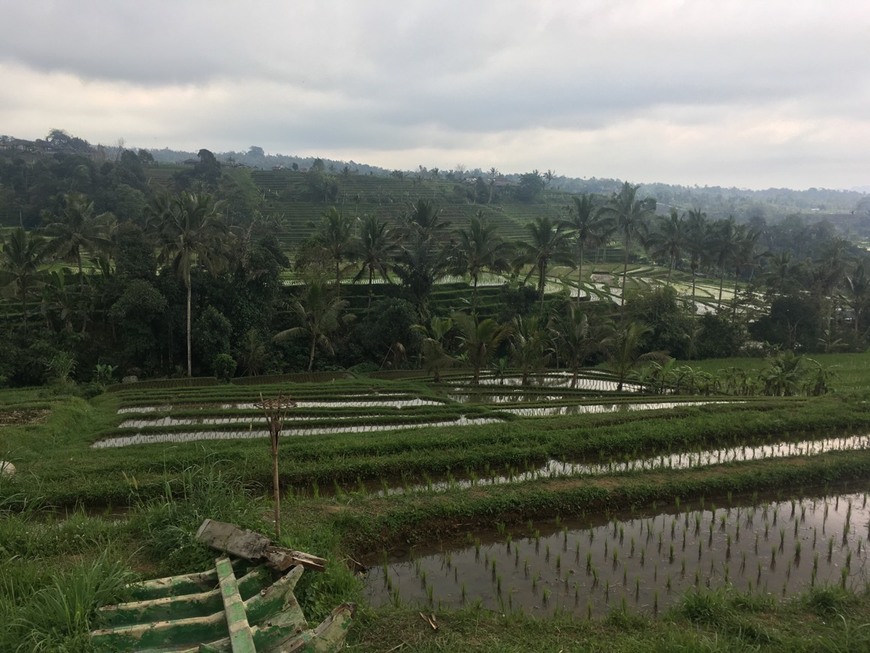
(218,612)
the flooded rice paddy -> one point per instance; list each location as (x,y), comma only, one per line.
(588,409)
(554,469)
(641,562)
(254,406)
(193,436)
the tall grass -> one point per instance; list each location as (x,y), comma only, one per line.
(59,615)
(168,524)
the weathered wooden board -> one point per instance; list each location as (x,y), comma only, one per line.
(242,543)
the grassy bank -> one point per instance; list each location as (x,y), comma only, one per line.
(76,522)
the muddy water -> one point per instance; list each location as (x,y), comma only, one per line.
(682,460)
(644,563)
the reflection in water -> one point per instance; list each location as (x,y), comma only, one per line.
(644,563)
(368,402)
(193,436)
(582,409)
(682,460)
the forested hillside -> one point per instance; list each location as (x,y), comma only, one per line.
(115,263)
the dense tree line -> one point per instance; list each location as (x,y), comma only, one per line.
(114,276)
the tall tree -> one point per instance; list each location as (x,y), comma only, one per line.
(20,264)
(433,345)
(623,347)
(696,231)
(423,255)
(725,244)
(480,248)
(376,246)
(334,235)
(546,243)
(320,314)
(189,232)
(77,228)
(479,340)
(531,345)
(586,227)
(858,292)
(571,334)
(667,240)
(630,215)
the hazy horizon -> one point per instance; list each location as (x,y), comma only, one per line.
(741,94)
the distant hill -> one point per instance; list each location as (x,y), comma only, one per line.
(285,190)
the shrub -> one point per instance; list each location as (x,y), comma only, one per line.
(224,367)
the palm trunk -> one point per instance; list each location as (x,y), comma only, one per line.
(189,356)
(624,271)
(580,276)
(474,297)
(371,273)
(311,353)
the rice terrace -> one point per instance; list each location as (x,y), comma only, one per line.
(510,414)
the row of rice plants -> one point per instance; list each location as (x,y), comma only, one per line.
(647,561)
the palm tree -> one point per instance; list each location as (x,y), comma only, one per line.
(830,269)
(546,242)
(480,247)
(493,175)
(629,213)
(77,228)
(530,345)
(423,216)
(745,256)
(725,243)
(696,240)
(623,346)
(572,337)
(858,290)
(334,235)
(781,275)
(375,247)
(432,347)
(252,353)
(319,314)
(189,232)
(423,256)
(586,227)
(667,240)
(20,260)
(479,340)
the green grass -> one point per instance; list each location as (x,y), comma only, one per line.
(75,521)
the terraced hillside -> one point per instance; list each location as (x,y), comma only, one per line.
(287,195)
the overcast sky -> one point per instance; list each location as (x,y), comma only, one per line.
(753,93)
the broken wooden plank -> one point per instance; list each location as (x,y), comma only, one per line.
(327,637)
(243,543)
(184,605)
(241,638)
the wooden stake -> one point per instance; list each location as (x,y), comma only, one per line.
(276,411)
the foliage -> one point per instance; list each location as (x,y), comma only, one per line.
(211,337)
(669,324)
(224,367)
